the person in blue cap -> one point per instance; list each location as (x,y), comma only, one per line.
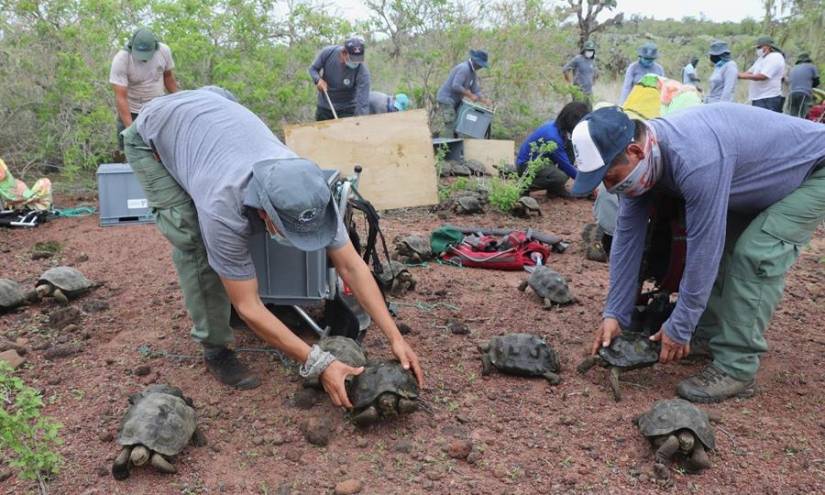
(648,53)
(753,187)
(722,82)
(214,175)
(384,103)
(462,82)
(553,177)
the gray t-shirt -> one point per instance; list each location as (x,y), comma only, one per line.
(584,70)
(381,103)
(717,158)
(802,77)
(689,75)
(348,89)
(634,73)
(209,144)
(462,77)
(143,80)
(722,83)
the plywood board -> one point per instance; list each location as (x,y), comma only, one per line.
(490,152)
(394,149)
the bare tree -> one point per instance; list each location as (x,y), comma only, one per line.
(587,12)
(401,19)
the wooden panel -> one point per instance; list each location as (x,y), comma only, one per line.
(395,150)
(490,152)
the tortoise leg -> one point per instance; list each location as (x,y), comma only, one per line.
(120,468)
(553,378)
(548,304)
(60,297)
(665,451)
(699,459)
(523,286)
(162,465)
(198,438)
(140,455)
(613,379)
(43,290)
(366,417)
(486,365)
(587,363)
(407,406)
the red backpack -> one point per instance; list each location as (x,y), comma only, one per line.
(511,252)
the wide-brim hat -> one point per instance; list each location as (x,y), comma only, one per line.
(296,197)
(479,57)
(718,48)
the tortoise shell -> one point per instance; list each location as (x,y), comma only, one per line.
(548,283)
(11,294)
(380,378)
(668,416)
(631,350)
(67,279)
(523,354)
(160,418)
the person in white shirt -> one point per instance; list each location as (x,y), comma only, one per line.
(765,76)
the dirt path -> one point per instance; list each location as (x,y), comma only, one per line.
(526,436)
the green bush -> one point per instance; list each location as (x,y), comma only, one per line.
(27,439)
(506,191)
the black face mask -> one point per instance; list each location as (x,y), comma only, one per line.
(715,58)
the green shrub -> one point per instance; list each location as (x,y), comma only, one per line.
(506,191)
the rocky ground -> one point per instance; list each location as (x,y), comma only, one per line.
(496,434)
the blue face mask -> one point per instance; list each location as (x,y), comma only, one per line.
(353,65)
(646,62)
(720,63)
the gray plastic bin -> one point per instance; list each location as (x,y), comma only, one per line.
(289,276)
(121,199)
(473,120)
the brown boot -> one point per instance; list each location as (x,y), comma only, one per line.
(225,366)
(714,385)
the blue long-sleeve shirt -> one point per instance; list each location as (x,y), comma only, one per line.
(545,133)
(719,157)
(722,82)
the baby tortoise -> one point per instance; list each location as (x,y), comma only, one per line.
(521,354)
(549,285)
(628,351)
(412,248)
(160,422)
(526,206)
(396,278)
(469,204)
(677,426)
(594,249)
(62,283)
(383,390)
(12,295)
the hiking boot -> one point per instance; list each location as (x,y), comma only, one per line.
(226,367)
(714,385)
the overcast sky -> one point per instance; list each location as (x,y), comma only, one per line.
(715,10)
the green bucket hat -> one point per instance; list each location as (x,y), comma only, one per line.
(766,41)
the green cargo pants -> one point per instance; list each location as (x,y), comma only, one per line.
(177,220)
(751,276)
(445,121)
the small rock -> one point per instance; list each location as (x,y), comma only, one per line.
(473,457)
(306,398)
(71,328)
(459,449)
(317,431)
(404,329)
(500,472)
(215,447)
(403,447)
(106,436)
(5,474)
(142,370)
(276,439)
(293,455)
(457,327)
(462,418)
(110,361)
(95,306)
(61,351)
(13,358)
(361,442)
(258,441)
(348,487)
(102,471)
(54,380)
(61,317)
(150,379)
(82,258)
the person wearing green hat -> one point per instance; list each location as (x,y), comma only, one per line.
(384,103)
(765,76)
(722,81)
(583,68)
(462,82)
(803,78)
(648,53)
(215,176)
(140,72)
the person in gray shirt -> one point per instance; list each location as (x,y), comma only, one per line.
(752,183)
(689,75)
(384,103)
(342,79)
(648,53)
(722,82)
(214,174)
(583,67)
(462,82)
(803,78)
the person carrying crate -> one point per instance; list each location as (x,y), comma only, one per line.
(214,174)
(462,82)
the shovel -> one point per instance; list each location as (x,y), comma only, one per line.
(331,106)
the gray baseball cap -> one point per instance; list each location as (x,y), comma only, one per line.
(296,197)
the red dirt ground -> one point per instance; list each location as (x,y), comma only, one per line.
(528,437)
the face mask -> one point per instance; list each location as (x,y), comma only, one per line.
(589,53)
(645,174)
(353,65)
(715,59)
(646,62)
(759,53)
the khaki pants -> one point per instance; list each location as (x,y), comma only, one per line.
(177,220)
